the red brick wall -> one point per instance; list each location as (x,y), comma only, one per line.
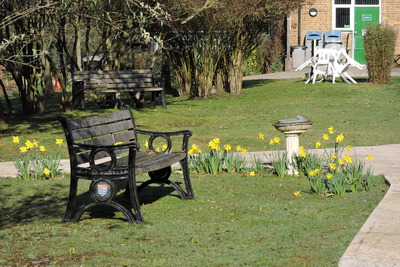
(390,14)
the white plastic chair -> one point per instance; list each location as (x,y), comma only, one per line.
(322,64)
(342,64)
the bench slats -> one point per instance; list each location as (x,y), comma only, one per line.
(92,86)
(97,120)
(102,129)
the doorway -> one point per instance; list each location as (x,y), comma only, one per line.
(363,16)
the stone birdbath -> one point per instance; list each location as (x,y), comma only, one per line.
(292,128)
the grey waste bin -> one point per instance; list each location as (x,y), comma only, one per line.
(333,40)
(298,55)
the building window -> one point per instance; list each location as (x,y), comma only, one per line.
(342,18)
(367,2)
(342,2)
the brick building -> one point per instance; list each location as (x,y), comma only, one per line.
(348,17)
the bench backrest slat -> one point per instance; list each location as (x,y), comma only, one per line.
(100,130)
(107,129)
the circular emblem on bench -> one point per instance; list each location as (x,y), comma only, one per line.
(102,190)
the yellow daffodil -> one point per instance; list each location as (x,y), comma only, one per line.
(303,154)
(329,175)
(146,145)
(29,144)
(164,147)
(42,149)
(297,194)
(59,142)
(244,151)
(227,147)
(332,166)
(311,173)
(23,149)
(277,140)
(301,148)
(318,144)
(46,171)
(330,130)
(271,142)
(261,136)
(341,161)
(317,171)
(349,148)
(252,174)
(216,140)
(339,138)
(15,140)
(238,148)
(213,145)
(368,157)
(35,143)
(191,151)
(348,159)
(325,137)
(333,156)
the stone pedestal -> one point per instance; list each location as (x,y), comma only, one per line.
(292,129)
(292,149)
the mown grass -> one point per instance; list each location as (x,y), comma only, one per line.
(367,114)
(234,221)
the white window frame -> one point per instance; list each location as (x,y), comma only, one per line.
(352,5)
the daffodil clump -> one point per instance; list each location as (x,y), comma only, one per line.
(335,173)
(36,161)
(278,158)
(218,159)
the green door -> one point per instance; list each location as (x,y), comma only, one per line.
(363,16)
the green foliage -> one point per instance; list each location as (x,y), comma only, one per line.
(379,44)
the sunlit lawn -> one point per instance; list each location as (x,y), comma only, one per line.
(366,114)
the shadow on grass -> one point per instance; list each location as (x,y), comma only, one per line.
(39,206)
(247,84)
(24,207)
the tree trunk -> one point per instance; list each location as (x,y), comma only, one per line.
(236,72)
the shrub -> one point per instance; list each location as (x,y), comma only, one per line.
(379,44)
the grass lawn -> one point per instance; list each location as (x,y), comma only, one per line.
(367,115)
(234,221)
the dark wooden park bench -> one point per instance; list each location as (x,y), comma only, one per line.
(104,149)
(115,82)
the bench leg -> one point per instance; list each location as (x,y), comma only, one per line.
(186,178)
(163,101)
(134,198)
(71,200)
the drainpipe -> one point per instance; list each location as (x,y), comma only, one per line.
(299,26)
(287,61)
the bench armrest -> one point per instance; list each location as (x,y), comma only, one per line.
(90,152)
(186,134)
